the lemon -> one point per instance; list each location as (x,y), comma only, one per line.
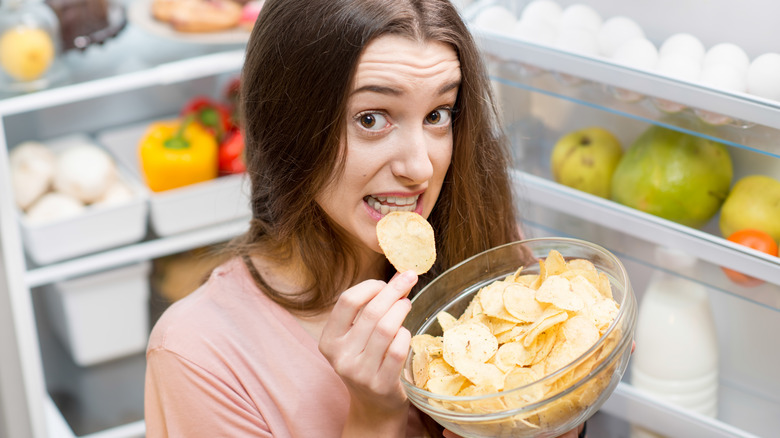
(677,176)
(26,53)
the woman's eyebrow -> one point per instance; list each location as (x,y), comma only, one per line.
(449,86)
(383,89)
(378,89)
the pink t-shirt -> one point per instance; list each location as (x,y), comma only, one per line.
(226,361)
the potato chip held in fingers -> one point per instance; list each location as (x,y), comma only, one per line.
(407,240)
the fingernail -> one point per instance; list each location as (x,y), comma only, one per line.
(408,278)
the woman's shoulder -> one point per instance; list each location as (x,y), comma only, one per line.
(210,310)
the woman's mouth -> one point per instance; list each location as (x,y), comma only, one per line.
(387,204)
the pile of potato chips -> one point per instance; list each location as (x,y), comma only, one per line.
(516,331)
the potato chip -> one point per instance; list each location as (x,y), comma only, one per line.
(491,297)
(424,343)
(591,276)
(469,341)
(520,302)
(514,354)
(521,376)
(485,375)
(514,334)
(486,405)
(472,311)
(446,385)
(554,263)
(498,325)
(407,240)
(604,286)
(543,345)
(549,318)
(446,321)
(576,264)
(556,290)
(603,313)
(579,334)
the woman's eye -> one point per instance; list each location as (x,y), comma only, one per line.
(372,121)
(439,116)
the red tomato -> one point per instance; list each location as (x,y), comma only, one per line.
(758,240)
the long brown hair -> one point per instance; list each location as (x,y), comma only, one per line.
(299,67)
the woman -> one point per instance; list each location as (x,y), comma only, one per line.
(351,109)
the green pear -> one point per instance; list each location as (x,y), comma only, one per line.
(585,160)
(674,175)
(754,202)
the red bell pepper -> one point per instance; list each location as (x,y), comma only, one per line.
(231,154)
(213,116)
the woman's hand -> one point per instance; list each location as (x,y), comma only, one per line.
(366,345)
(574,433)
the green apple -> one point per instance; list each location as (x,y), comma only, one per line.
(585,160)
(754,202)
(674,175)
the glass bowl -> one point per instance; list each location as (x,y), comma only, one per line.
(570,395)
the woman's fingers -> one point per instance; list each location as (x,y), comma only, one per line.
(360,308)
(385,346)
(375,310)
(349,305)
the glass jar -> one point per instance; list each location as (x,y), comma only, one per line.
(29,46)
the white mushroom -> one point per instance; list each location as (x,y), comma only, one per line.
(118,193)
(85,172)
(53,206)
(32,171)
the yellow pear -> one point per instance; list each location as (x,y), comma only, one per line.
(26,53)
(754,202)
(586,159)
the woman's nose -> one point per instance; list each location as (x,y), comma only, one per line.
(412,162)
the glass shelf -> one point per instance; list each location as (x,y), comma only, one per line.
(753,123)
(563,211)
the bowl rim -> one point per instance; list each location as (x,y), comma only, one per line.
(627,305)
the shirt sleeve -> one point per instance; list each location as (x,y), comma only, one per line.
(182,399)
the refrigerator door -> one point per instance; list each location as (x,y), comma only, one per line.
(548,90)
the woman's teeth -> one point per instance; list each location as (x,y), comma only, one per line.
(386,204)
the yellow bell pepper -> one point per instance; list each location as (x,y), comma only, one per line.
(177,153)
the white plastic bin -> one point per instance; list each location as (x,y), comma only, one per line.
(98,228)
(187,208)
(103,316)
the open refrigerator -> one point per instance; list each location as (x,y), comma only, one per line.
(543,92)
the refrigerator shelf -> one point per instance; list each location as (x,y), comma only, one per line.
(167,73)
(628,221)
(632,405)
(146,250)
(741,120)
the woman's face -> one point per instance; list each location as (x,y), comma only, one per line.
(398,141)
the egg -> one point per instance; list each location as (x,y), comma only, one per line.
(726,53)
(678,66)
(682,44)
(639,53)
(616,31)
(537,32)
(723,76)
(762,76)
(545,12)
(720,76)
(496,18)
(580,16)
(577,40)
